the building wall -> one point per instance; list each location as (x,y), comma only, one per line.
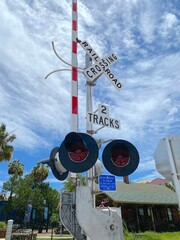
(145,217)
(151,218)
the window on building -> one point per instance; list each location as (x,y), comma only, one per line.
(169,214)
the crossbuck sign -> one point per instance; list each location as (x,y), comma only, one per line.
(100,66)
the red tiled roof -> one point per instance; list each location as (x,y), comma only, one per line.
(159,181)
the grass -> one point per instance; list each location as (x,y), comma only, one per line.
(59,238)
(131,236)
(152,236)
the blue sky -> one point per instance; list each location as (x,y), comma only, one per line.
(144,34)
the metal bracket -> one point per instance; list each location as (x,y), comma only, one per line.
(66,69)
(90,83)
(91,132)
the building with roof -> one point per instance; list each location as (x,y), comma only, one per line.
(144,206)
(159,181)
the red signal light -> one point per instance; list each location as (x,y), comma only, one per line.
(120,156)
(78,152)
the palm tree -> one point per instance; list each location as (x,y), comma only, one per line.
(6,150)
(70,185)
(40,172)
(171,187)
(16,168)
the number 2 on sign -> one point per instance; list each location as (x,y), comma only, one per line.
(103,109)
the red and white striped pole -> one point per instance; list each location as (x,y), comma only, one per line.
(74,85)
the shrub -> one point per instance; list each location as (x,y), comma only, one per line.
(54,219)
(2,225)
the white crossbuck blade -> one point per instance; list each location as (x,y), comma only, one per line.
(100,66)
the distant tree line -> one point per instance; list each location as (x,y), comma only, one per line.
(24,188)
(30,187)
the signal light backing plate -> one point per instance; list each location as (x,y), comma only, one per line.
(131,162)
(60,176)
(87,162)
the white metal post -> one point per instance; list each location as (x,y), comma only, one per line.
(89,128)
(175,174)
(89,108)
(74,83)
(74,73)
(9,229)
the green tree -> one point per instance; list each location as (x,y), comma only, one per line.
(28,188)
(6,138)
(16,168)
(10,186)
(40,173)
(70,185)
(171,187)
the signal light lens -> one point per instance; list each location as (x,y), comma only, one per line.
(78,152)
(120,156)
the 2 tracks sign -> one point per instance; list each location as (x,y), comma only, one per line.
(102,118)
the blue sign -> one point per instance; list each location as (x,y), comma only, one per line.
(107,183)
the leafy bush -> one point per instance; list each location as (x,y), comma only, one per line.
(2,225)
(54,219)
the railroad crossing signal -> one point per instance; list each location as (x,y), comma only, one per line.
(79,152)
(101,65)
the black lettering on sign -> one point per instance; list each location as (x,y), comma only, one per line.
(101,120)
(115,81)
(90,114)
(105,63)
(111,123)
(108,60)
(93,71)
(111,75)
(96,58)
(119,85)
(114,56)
(89,74)
(111,59)
(85,44)
(107,71)
(102,65)
(106,121)
(95,120)
(104,109)
(98,68)
(89,50)
(117,124)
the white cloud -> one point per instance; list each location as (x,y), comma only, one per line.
(148,20)
(170,21)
